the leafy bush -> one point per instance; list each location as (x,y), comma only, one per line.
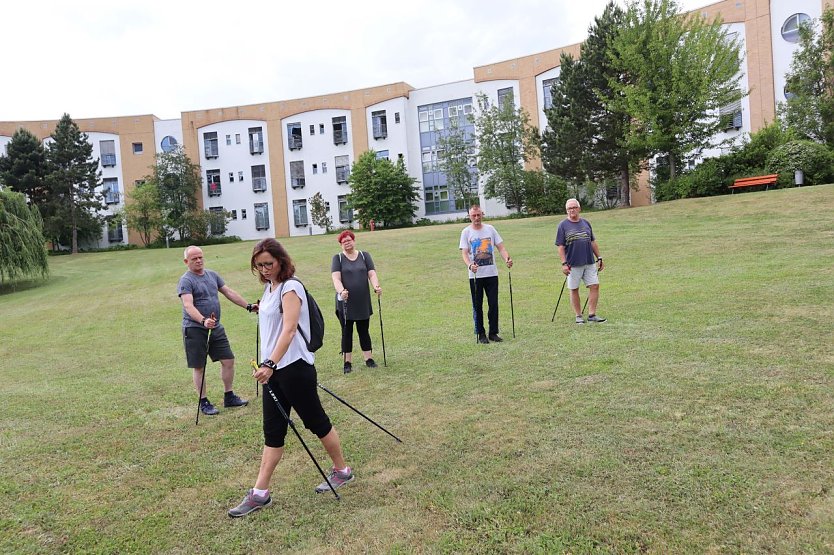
(544,193)
(707,179)
(814,159)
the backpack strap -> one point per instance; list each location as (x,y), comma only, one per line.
(281,304)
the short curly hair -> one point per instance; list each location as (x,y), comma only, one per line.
(346,233)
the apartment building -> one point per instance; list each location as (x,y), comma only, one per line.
(262,163)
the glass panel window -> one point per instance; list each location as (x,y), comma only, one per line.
(294,141)
(168,144)
(380,124)
(297,174)
(240,176)
(342,169)
(790,28)
(111,190)
(256,140)
(396,117)
(731,116)
(217,223)
(108,153)
(382,154)
(340,130)
(547,89)
(210,145)
(315,169)
(505,96)
(115,233)
(259,178)
(345,212)
(324,167)
(262,215)
(231,177)
(299,212)
(228,140)
(213,183)
(138,148)
(312,129)
(321,129)
(243,213)
(237,138)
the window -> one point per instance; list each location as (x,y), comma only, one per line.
(108,153)
(345,212)
(430,159)
(210,145)
(111,190)
(431,119)
(731,116)
(396,117)
(243,213)
(234,214)
(382,154)
(505,96)
(299,212)
(259,178)
(138,148)
(380,124)
(547,89)
(237,138)
(294,136)
(256,140)
(342,169)
(312,129)
(168,143)
(262,216)
(240,176)
(213,183)
(297,174)
(231,177)
(115,233)
(228,139)
(315,169)
(324,167)
(340,130)
(321,129)
(788,94)
(790,28)
(437,199)
(217,223)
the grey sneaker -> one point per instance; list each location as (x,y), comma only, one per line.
(580,320)
(207,408)
(250,503)
(337,479)
(595,318)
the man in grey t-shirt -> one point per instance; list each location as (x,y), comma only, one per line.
(478,243)
(197,289)
(577,251)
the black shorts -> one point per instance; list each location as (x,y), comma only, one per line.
(194,340)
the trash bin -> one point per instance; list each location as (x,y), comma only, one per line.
(799,178)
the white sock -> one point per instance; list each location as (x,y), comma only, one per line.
(261,492)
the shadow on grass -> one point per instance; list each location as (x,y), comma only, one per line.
(9,287)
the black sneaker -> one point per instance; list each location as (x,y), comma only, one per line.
(232,400)
(495,338)
(595,318)
(482,338)
(370,363)
(207,408)
(348,368)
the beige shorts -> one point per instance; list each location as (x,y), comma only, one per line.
(588,274)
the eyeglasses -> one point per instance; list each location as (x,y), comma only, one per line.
(573,208)
(262,265)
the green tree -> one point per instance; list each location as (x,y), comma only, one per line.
(810,110)
(676,74)
(544,193)
(585,139)
(142,211)
(178,181)
(73,204)
(456,159)
(22,250)
(381,191)
(23,167)
(320,212)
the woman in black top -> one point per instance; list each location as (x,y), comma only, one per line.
(351,270)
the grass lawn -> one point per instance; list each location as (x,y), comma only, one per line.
(698,419)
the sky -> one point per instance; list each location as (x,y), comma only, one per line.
(93,58)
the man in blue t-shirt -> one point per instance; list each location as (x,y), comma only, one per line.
(577,251)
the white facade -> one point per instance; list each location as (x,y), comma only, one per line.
(112,186)
(783,48)
(167,134)
(540,94)
(240,159)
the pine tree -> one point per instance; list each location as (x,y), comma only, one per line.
(22,250)
(23,167)
(73,204)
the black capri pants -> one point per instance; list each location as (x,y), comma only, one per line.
(362,327)
(295,387)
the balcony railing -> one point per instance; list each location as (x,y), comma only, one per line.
(339,138)
(256,147)
(214,189)
(111,197)
(297,182)
(108,160)
(342,173)
(259,184)
(211,149)
(380,130)
(294,142)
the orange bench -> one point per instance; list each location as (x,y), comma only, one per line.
(766,180)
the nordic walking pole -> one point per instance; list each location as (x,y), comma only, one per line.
(560,299)
(586,303)
(344,325)
(512,311)
(381,331)
(301,439)
(257,348)
(359,412)
(473,286)
(203,379)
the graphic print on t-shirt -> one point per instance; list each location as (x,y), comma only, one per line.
(577,236)
(481,249)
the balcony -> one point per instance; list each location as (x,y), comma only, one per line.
(211,149)
(111,197)
(297,182)
(342,173)
(257,147)
(380,131)
(339,138)
(214,189)
(259,184)
(108,160)
(294,142)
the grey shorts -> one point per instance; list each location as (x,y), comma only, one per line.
(588,274)
(194,340)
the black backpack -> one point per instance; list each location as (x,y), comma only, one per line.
(316,319)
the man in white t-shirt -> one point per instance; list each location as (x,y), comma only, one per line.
(478,242)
